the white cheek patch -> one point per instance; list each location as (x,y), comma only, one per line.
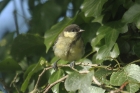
(69,34)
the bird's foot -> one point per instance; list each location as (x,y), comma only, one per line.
(54,66)
(72,64)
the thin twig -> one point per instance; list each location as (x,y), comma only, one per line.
(116,61)
(15,18)
(96,81)
(135,61)
(23,11)
(45,69)
(54,83)
(123,85)
(89,54)
(16,88)
(13,82)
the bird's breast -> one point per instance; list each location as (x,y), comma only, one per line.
(66,50)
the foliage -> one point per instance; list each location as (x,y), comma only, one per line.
(112,53)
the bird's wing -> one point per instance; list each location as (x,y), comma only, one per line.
(73,43)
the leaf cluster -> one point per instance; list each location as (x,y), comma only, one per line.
(112,53)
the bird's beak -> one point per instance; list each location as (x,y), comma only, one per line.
(81,30)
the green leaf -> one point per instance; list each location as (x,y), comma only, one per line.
(5,45)
(35,68)
(77,81)
(138,23)
(111,37)
(133,71)
(94,89)
(132,87)
(51,35)
(3,4)
(9,65)
(124,45)
(115,51)
(43,17)
(27,45)
(102,74)
(104,42)
(54,77)
(93,7)
(118,78)
(103,53)
(136,49)
(90,31)
(98,19)
(132,14)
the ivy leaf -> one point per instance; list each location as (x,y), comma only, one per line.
(5,45)
(132,14)
(27,45)
(93,7)
(98,19)
(54,77)
(9,65)
(105,41)
(102,74)
(133,71)
(103,53)
(115,51)
(76,81)
(132,87)
(51,35)
(3,5)
(90,31)
(34,69)
(95,90)
(118,78)
(136,49)
(82,82)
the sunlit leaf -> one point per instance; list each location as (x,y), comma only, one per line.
(133,87)
(106,38)
(115,51)
(133,71)
(132,14)
(118,78)
(93,7)
(82,83)
(77,81)
(103,53)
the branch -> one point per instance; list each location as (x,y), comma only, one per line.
(45,69)
(68,65)
(54,83)
(135,61)
(96,81)
(13,82)
(15,18)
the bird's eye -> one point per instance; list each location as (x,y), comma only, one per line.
(73,30)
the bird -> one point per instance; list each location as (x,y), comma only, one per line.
(69,45)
